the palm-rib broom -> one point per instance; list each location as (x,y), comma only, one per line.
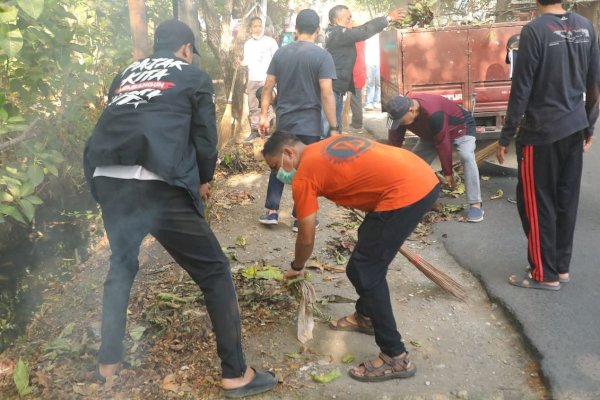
(438,277)
(226,126)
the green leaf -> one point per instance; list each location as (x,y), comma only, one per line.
(27,209)
(35,200)
(326,378)
(240,241)
(33,8)
(9,15)
(292,355)
(12,211)
(21,378)
(6,197)
(256,272)
(58,345)
(79,48)
(36,174)
(137,332)
(26,189)
(11,42)
(339,258)
(15,119)
(67,330)
(52,169)
(348,358)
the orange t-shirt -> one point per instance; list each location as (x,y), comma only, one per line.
(356,172)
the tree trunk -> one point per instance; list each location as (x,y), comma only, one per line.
(188,13)
(228,51)
(502,11)
(139,29)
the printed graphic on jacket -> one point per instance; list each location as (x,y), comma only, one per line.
(143,80)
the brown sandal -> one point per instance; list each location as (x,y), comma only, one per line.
(392,368)
(362,324)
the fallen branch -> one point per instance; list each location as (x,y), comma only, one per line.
(29,133)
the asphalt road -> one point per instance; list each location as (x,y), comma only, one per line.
(562,328)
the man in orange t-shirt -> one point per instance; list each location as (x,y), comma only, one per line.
(395,188)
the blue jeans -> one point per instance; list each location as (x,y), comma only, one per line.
(373,85)
(275,187)
(339,107)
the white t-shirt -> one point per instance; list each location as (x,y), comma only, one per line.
(127,172)
(372,50)
(258,55)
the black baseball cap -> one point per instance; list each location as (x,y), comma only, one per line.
(397,107)
(307,21)
(173,34)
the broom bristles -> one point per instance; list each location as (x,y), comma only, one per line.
(226,127)
(485,153)
(435,275)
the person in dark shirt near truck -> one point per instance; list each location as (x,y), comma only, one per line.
(554,102)
(439,123)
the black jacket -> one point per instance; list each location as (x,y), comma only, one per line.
(340,42)
(160,115)
(555,84)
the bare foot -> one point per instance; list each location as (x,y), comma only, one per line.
(234,383)
(107,370)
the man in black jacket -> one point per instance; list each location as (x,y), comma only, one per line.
(149,162)
(340,39)
(554,101)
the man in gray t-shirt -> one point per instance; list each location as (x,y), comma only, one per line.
(304,74)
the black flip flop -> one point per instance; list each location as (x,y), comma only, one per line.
(263,382)
(532,284)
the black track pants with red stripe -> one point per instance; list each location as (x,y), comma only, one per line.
(547,198)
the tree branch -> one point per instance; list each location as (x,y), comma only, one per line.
(29,133)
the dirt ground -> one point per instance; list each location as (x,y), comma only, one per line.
(463,350)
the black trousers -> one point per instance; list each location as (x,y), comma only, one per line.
(547,199)
(131,209)
(379,238)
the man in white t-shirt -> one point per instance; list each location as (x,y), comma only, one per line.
(258,52)
(373,84)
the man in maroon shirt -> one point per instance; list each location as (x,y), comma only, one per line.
(439,123)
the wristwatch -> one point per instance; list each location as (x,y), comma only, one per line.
(334,128)
(294,268)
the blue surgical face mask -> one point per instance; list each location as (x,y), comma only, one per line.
(284,176)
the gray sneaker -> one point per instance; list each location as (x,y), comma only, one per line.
(475,214)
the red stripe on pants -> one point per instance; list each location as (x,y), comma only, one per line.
(537,270)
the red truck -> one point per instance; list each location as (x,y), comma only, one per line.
(466,64)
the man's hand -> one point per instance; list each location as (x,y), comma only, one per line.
(291,274)
(450,181)
(501,152)
(263,125)
(397,14)
(205,191)
(587,142)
